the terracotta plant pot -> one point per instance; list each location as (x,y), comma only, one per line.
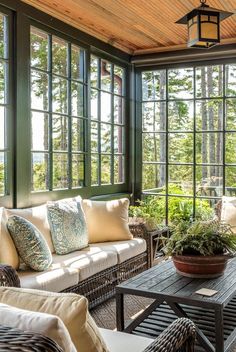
(199,266)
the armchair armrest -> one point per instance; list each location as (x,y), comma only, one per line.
(8,276)
(179,336)
(12,339)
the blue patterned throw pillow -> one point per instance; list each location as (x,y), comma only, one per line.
(68,226)
(30,243)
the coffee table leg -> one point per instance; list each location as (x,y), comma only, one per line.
(219,324)
(120,324)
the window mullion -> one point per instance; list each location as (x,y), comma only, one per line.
(50,142)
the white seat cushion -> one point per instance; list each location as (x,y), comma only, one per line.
(54,279)
(124,249)
(88,261)
(122,342)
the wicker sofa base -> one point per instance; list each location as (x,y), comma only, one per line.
(101,286)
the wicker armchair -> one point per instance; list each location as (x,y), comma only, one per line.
(12,339)
(179,336)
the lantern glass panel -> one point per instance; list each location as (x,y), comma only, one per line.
(209,30)
(193,31)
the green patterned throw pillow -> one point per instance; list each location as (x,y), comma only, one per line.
(30,243)
(68,226)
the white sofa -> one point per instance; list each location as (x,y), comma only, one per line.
(93,271)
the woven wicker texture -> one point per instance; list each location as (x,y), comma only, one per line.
(8,276)
(179,336)
(18,340)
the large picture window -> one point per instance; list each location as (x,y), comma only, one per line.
(107,122)
(4,104)
(57,113)
(189,136)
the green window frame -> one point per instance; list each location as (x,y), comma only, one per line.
(58,112)
(6,107)
(188,136)
(108,121)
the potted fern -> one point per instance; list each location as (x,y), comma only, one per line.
(201,249)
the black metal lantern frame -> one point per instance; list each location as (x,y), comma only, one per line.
(204,25)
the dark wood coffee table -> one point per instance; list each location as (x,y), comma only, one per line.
(215,317)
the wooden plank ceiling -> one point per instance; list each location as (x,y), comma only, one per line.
(135,26)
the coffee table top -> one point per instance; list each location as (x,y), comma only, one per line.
(163,281)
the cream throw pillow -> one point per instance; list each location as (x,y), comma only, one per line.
(228,211)
(42,323)
(71,308)
(107,221)
(38,217)
(8,253)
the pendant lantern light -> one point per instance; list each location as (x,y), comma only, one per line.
(204,25)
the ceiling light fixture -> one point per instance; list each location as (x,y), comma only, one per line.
(204,25)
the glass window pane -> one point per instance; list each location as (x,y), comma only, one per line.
(2,128)
(209,81)
(94,169)
(154,116)
(119,110)
(180,83)
(230,80)
(60,171)
(119,168)
(154,147)
(77,99)
(180,179)
(105,138)
(230,114)
(154,178)
(105,75)
(118,139)
(94,71)
(77,63)
(77,170)
(180,147)
(3,83)
(105,107)
(209,115)
(105,169)
(209,181)
(230,148)
(59,56)
(119,74)
(209,148)
(60,132)
(94,136)
(39,131)
(2,173)
(59,95)
(39,90)
(154,85)
(39,48)
(40,172)
(77,134)
(180,115)
(230,181)
(94,104)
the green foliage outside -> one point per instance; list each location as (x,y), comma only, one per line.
(153,209)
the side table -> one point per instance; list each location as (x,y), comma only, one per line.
(153,238)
